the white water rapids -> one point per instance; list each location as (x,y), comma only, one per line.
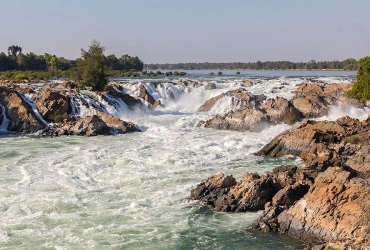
(131,191)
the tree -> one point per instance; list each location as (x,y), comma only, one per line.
(91,67)
(52,62)
(361,88)
(14,51)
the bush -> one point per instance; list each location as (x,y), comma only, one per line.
(219,73)
(238,73)
(361,88)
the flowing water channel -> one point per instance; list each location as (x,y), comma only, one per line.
(131,191)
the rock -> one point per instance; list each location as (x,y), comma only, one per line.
(280,110)
(89,126)
(315,100)
(122,127)
(246,99)
(210,86)
(241,120)
(252,115)
(54,106)
(330,211)
(143,93)
(325,201)
(66,85)
(248,83)
(117,91)
(21,116)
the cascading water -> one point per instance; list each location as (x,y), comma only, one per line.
(27,99)
(4,120)
(131,191)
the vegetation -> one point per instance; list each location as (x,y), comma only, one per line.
(18,66)
(348,64)
(361,88)
(91,68)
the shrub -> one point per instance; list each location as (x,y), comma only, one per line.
(219,73)
(361,88)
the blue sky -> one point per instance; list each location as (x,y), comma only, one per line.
(166,31)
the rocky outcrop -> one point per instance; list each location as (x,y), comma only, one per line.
(19,112)
(66,85)
(315,100)
(54,106)
(253,114)
(245,99)
(325,200)
(118,92)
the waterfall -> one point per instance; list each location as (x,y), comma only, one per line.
(4,121)
(226,104)
(33,106)
(115,106)
(81,106)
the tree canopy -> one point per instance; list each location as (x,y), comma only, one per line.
(361,88)
(91,67)
(348,64)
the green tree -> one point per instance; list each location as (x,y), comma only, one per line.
(52,62)
(361,88)
(91,67)
(14,51)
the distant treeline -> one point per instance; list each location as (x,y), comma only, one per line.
(348,64)
(16,60)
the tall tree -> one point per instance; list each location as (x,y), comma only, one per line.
(14,51)
(91,67)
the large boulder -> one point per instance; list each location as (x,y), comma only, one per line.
(53,105)
(280,110)
(331,211)
(252,114)
(19,112)
(241,120)
(315,100)
(119,125)
(245,99)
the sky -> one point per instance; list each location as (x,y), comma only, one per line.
(164,31)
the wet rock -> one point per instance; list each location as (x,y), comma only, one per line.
(143,93)
(248,83)
(119,125)
(54,106)
(21,116)
(325,201)
(246,99)
(118,92)
(280,110)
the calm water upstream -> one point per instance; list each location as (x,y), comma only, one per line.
(131,191)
